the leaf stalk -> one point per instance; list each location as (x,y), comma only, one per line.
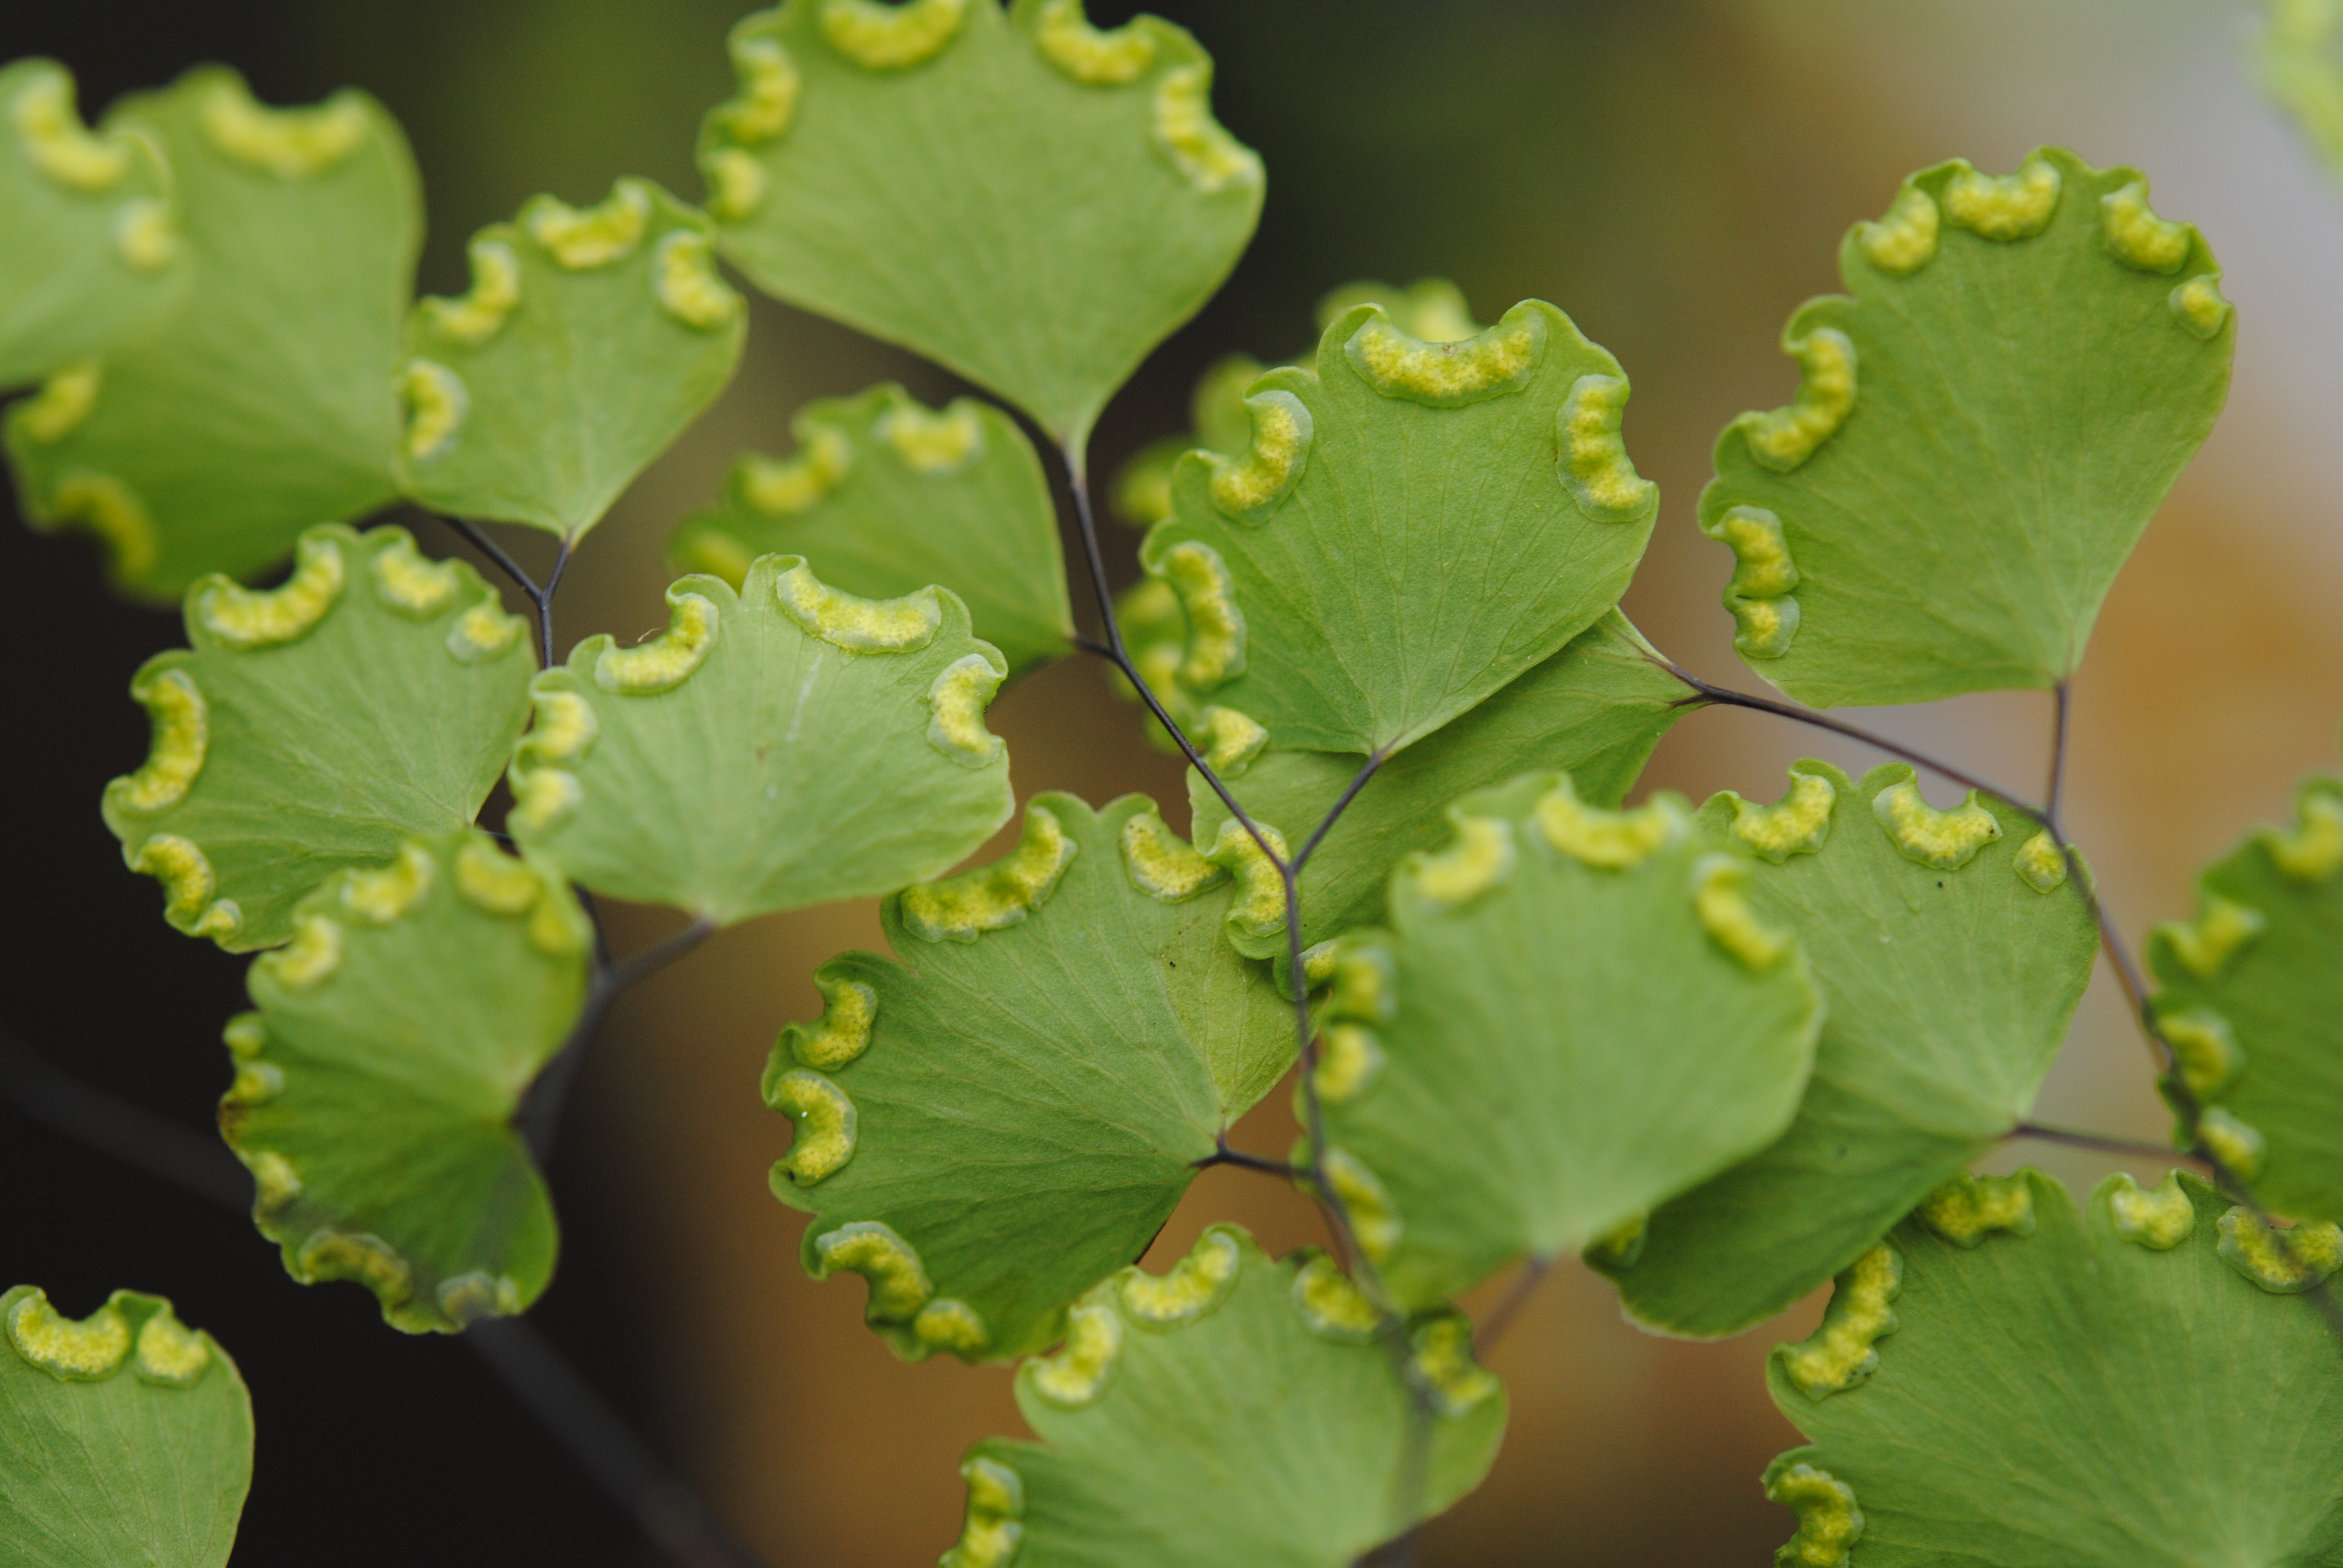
(540,598)
(2129,977)
(1391,1330)
(552,1390)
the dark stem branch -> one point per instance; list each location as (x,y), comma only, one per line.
(2104,1145)
(605,1446)
(2058,791)
(1393,1331)
(1305,1048)
(551,1390)
(539,598)
(2128,974)
(117,1129)
(1491,1329)
(1341,804)
(553,581)
(540,1107)
(658,956)
(594,918)
(2133,982)
(1113,650)
(496,552)
(1224,1155)
(1726,697)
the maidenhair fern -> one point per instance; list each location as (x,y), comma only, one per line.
(1728,1051)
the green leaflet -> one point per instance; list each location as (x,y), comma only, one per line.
(2295,57)
(2250,999)
(1141,494)
(823,746)
(376,696)
(1576,1016)
(1948,994)
(1982,433)
(1023,200)
(125,1437)
(265,404)
(1432,308)
(1154,628)
(986,1133)
(1231,1412)
(1399,541)
(2067,1398)
(885,495)
(589,341)
(376,1088)
(1594,710)
(93,259)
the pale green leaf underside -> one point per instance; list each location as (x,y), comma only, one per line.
(117,1465)
(1594,710)
(390,716)
(264,405)
(376,1085)
(2277,996)
(589,340)
(1030,1099)
(1432,308)
(1244,1436)
(1410,559)
(2071,1399)
(1570,1048)
(784,770)
(1949,995)
(1141,494)
(1036,233)
(93,260)
(2019,408)
(884,496)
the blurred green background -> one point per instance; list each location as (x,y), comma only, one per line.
(1676,174)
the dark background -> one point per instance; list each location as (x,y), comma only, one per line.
(1676,175)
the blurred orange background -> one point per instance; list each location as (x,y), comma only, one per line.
(1676,174)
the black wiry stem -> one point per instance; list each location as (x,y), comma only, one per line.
(2056,795)
(1491,1329)
(605,1446)
(2128,974)
(1113,650)
(540,1107)
(1391,1330)
(2134,984)
(1224,1155)
(1708,692)
(594,918)
(1341,804)
(1288,868)
(546,1385)
(539,598)
(1306,1038)
(117,1129)
(2100,1143)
